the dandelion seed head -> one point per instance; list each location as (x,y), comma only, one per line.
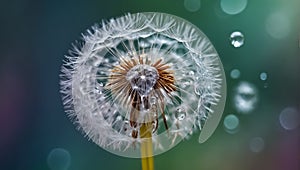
(141,68)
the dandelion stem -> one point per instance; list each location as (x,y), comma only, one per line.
(146,147)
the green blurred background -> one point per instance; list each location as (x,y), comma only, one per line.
(36,34)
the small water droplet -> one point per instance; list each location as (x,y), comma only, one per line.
(181,114)
(186,83)
(119,118)
(115,63)
(153,100)
(144,44)
(198,90)
(106,60)
(97,89)
(237,39)
(263,76)
(154,125)
(191,73)
(235,74)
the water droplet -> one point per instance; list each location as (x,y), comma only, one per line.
(144,44)
(143,77)
(233,7)
(191,73)
(237,39)
(106,60)
(154,125)
(289,118)
(98,89)
(186,84)
(192,5)
(231,123)
(235,74)
(153,100)
(245,97)
(180,114)
(59,159)
(256,144)
(119,118)
(263,76)
(116,63)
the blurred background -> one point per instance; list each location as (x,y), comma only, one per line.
(258,43)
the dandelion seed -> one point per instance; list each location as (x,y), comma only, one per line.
(142,77)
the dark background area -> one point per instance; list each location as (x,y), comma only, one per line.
(36,34)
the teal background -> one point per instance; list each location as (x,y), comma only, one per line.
(36,34)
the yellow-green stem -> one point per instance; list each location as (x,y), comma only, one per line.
(146,147)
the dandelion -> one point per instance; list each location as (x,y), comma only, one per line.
(138,84)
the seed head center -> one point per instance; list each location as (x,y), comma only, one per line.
(142,78)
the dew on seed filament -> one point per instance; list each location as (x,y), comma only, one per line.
(180,114)
(153,100)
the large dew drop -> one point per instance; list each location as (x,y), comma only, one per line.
(245,97)
(237,39)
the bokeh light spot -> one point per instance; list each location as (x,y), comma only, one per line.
(263,76)
(233,7)
(256,144)
(235,74)
(289,118)
(237,39)
(231,123)
(59,159)
(192,5)
(245,97)
(278,25)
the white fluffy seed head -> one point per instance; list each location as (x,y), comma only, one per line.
(97,87)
